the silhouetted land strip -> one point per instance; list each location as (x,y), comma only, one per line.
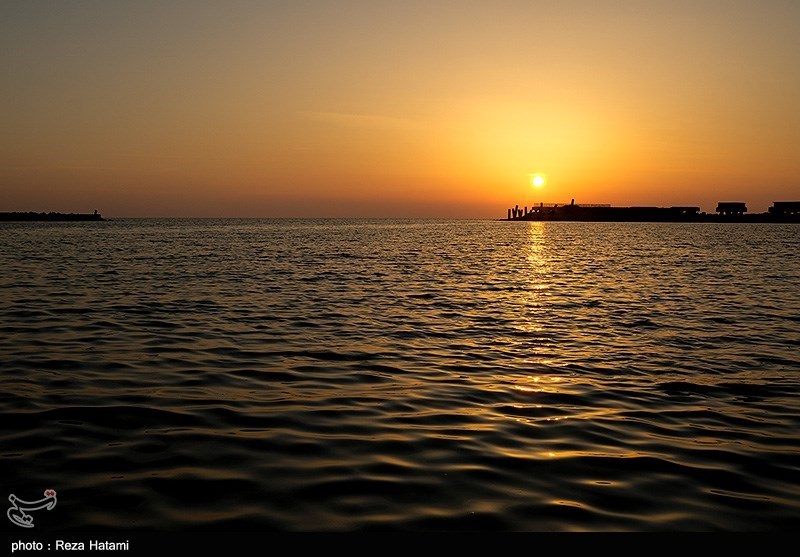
(55,217)
(727,211)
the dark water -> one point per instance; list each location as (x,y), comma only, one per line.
(401,374)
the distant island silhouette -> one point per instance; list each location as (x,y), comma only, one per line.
(33,216)
(727,211)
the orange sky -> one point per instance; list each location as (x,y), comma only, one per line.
(395,108)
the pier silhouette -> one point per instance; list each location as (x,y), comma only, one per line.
(726,211)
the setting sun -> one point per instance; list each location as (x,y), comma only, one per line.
(538,181)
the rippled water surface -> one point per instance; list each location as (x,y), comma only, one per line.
(339,375)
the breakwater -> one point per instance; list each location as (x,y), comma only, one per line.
(32,216)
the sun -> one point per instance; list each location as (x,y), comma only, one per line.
(538,181)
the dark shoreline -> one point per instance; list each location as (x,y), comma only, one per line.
(708,218)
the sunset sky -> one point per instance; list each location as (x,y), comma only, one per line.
(413,108)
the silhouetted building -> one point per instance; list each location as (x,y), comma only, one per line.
(731,208)
(785,208)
